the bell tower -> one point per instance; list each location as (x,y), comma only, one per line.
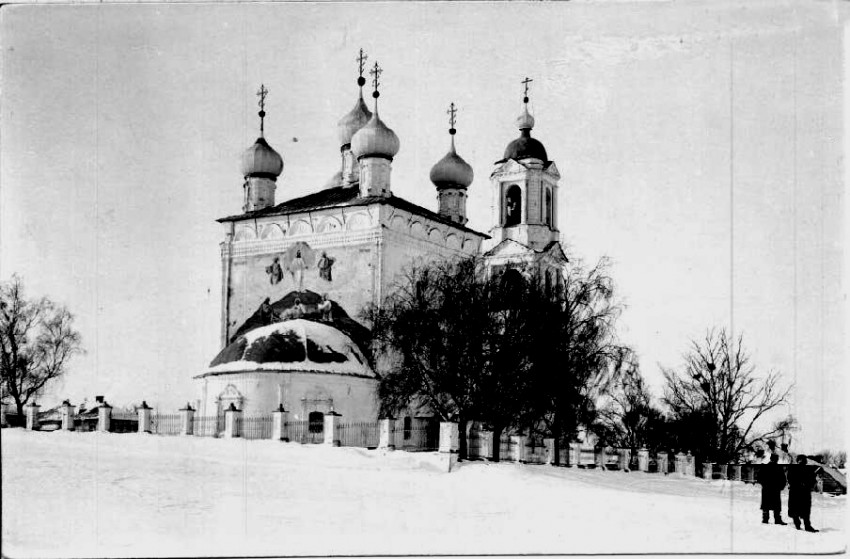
(525,189)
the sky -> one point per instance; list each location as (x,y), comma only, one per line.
(700,146)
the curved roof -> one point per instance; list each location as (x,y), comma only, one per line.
(451,171)
(293,345)
(261,160)
(526,146)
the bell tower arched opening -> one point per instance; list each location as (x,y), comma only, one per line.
(513,205)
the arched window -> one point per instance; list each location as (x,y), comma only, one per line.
(513,205)
(317,421)
(512,281)
(549,217)
(408,427)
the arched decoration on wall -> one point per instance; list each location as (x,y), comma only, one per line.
(272,231)
(399,223)
(417,229)
(358,221)
(548,208)
(435,235)
(513,205)
(245,233)
(300,227)
(469,245)
(453,241)
(329,224)
(230,395)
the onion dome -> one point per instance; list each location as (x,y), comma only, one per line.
(451,171)
(261,160)
(353,121)
(525,146)
(375,140)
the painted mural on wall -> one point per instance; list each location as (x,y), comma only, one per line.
(345,274)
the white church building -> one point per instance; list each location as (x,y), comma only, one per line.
(296,275)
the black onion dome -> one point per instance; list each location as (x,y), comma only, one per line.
(525,146)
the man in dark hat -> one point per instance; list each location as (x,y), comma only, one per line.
(801,481)
(772,481)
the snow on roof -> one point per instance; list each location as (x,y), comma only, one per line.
(293,345)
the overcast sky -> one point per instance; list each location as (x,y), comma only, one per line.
(699,143)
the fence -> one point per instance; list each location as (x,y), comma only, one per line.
(416,434)
(364,434)
(166,424)
(254,427)
(304,432)
(208,425)
(124,422)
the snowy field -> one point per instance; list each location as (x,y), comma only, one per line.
(99,494)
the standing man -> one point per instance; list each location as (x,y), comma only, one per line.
(801,481)
(772,481)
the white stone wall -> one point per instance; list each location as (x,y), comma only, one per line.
(355,398)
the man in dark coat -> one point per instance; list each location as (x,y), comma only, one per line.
(771,477)
(801,481)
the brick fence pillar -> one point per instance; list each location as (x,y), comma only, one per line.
(706,470)
(332,428)
(575,454)
(662,458)
(144,412)
(518,442)
(643,460)
(32,416)
(3,415)
(279,419)
(104,417)
(449,443)
(66,411)
(735,472)
(386,434)
(690,465)
(549,443)
(231,422)
(187,420)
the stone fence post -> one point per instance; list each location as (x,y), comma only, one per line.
(32,416)
(662,459)
(144,412)
(449,443)
(549,443)
(519,443)
(706,470)
(3,415)
(332,428)
(187,420)
(643,460)
(67,415)
(623,459)
(690,465)
(485,443)
(104,417)
(386,435)
(231,422)
(575,454)
(279,419)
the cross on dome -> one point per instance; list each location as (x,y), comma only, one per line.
(452,112)
(525,83)
(361,65)
(262,93)
(376,74)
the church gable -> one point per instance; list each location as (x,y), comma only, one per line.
(509,248)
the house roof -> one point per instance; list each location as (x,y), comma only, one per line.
(348,196)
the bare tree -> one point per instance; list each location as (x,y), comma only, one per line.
(719,383)
(37,339)
(627,418)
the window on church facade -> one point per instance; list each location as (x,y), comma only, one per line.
(408,427)
(317,421)
(549,217)
(513,205)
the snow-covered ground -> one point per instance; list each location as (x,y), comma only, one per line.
(98,494)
